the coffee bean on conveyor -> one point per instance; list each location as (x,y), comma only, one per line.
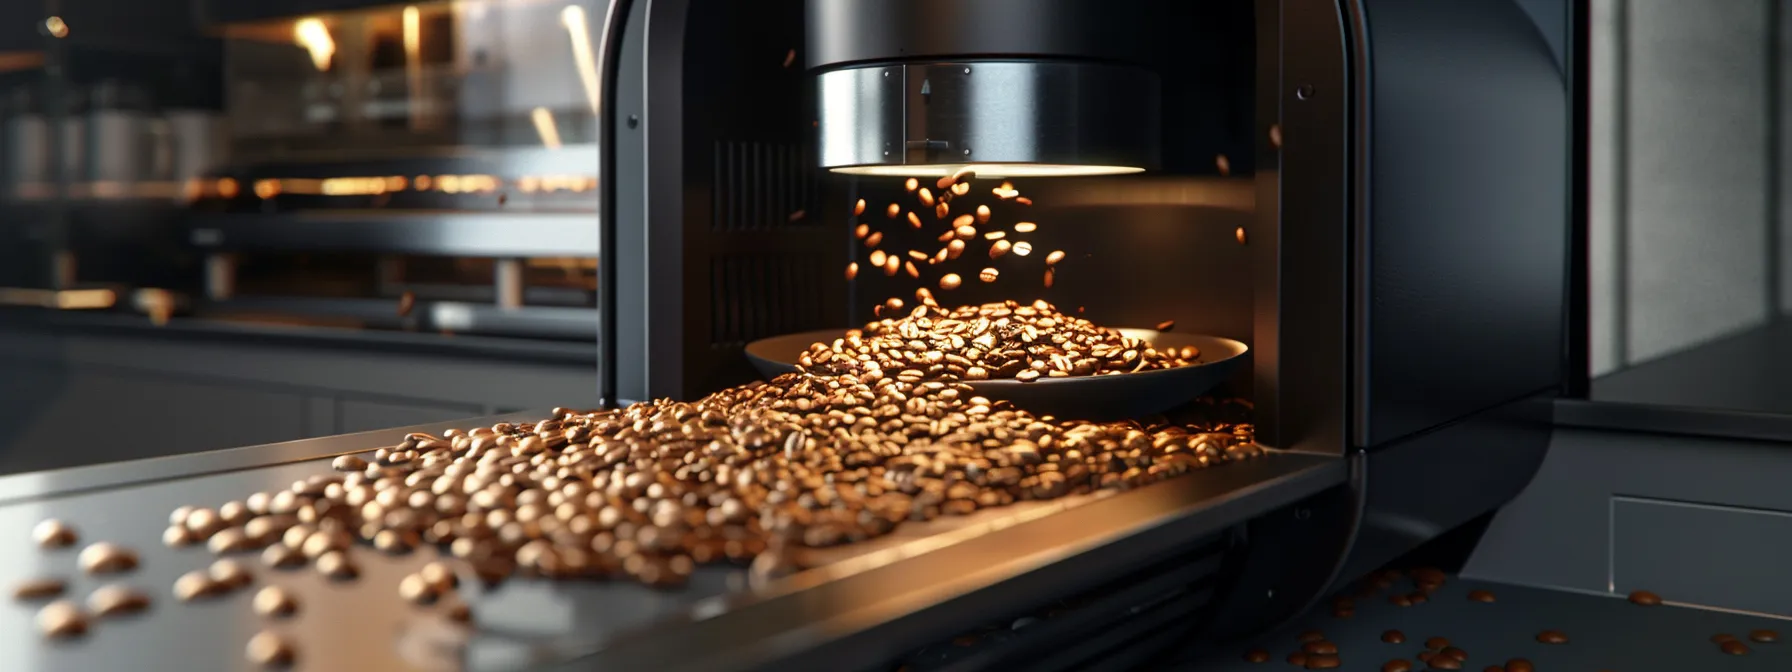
(337,566)
(1520,665)
(438,574)
(280,556)
(274,602)
(230,574)
(204,523)
(269,649)
(1321,647)
(1323,661)
(116,600)
(1436,643)
(229,540)
(1733,648)
(417,590)
(1552,637)
(1722,637)
(1393,637)
(177,536)
(1443,662)
(39,589)
(1480,596)
(1397,665)
(1455,652)
(1764,636)
(62,619)
(1256,656)
(234,513)
(107,558)
(1645,598)
(348,463)
(197,584)
(54,533)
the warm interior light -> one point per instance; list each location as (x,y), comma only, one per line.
(413,61)
(573,17)
(314,36)
(544,127)
(986,170)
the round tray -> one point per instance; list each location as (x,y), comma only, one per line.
(1126,395)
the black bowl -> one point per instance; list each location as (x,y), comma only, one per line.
(1126,395)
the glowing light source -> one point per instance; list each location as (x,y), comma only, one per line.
(314,36)
(985,170)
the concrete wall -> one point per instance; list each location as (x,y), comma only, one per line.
(1686,148)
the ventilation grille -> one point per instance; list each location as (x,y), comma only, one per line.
(753,297)
(761,186)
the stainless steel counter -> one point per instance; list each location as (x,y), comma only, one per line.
(861,605)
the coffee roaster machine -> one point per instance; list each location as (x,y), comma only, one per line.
(1375,194)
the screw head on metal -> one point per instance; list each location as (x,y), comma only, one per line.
(1304,91)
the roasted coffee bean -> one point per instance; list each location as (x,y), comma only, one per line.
(1520,665)
(1321,647)
(61,620)
(852,270)
(416,589)
(1552,637)
(858,208)
(179,515)
(229,540)
(269,649)
(982,214)
(1480,596)
(1764,636)
(950,281)
(1436,643)
(197,584)
(336,566)
(1400,600)
(177,536)
(1397,665)
(234,513)
(1645,598)
(1323,662)
(988,275)
(1058,256)
(1442,662)
(998,249)
(926,196)
(54,533)
(1721,638)
(281,556)
(1454,652)
(1393,637)
(230,574)
(1025,227)
(204,523)
(1256,656)
(1734,648)
(116,600)
(274,602)
(893,211)
(1022,248)
(107,558)
(348,463)
(38,589)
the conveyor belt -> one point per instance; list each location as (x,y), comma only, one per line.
(875,599)
(1605,632)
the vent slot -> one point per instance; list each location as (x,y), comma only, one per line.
(757,296)
(759,186)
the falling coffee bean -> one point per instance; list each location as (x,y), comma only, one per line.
(950,281)
(982,214)
(107,558)
(1552,637)
(1480,596)
(38,589)
(1393,637)
(988,275)
(1025,227)
(1256,656)
(1734,648)
(116,600)
(1645,598)
(852,270)
(274,602)
(61,620)
(893,211)
(270,650)
(858,208)
(1055,257)
(1764,636)
(54,533)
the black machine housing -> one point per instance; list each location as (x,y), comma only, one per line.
(1389,229)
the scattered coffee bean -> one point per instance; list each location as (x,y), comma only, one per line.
(204,523)
(197,584)
(418,590)
(1645,598)
(1022,248)
(858,208)
(1058,256)
(1552,637)
(1256,656)
(337,566)
(1025,227)
(179,515)
(1454,652)
(282,557)
(1733,648)
(54,533)
(1393,637)
(177,536)
(234,513)
(39,589)
(1722,637)
(982,214)
(1443,662)
(1480,596)
(988,275)
(1436,643)
(268,649)
(61,620)
(893,211)
(107,558)
(1397,665)
(348,463)
(852,270)
(274,602)
(438,574)
(1764,636)
(1323,662)
(950,281)
(1520,665)
(231,574)
(116,600)
(228,540)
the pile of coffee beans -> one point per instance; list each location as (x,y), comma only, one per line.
(993,341)
(750,474)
